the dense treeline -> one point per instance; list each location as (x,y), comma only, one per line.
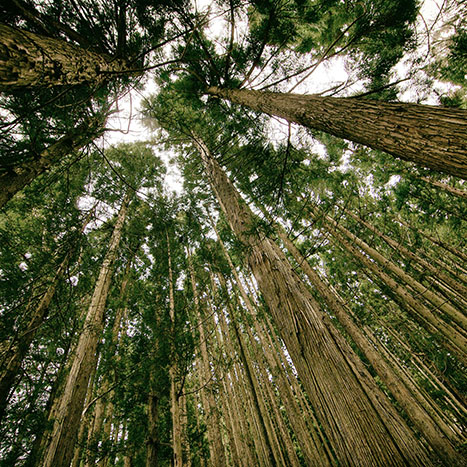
(299,301)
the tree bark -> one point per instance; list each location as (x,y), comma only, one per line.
(60,449)
(429,136)
(152,442)
(174,395)
(14,180)
(31,60)
(373,437)
(433,433)
(213,426)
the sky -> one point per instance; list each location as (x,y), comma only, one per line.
(126,123)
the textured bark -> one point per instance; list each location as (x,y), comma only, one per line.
(66,425)
(174,395)
(31,60)
(213,426)
(435,433)
(332,383)
(14,180)
(429,136)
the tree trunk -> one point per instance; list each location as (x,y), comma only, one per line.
(15,179)
(424,423)
(444,186)
(31,60)
(434,137)
(152,442)
(60,449)
(374,437)
(213,426)
(174,395)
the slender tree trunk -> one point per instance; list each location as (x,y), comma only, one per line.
(152,442)
(14,180)
(28,60)
(436,435)
(460,289)
(60,449)
(453,340)
(434,137)
(14,356)
(374,437)
(444,186)
(174,395)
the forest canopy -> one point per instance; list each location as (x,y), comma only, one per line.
(233,233)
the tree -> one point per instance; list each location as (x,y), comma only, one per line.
(409,131)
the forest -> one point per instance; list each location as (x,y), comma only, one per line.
(233,233)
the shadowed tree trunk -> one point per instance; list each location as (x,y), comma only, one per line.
(28,59)
(174,395)
(434,137)
(15,179)
(60,449)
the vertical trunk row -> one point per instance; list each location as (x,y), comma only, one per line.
(435,432)
(213,423)
(60,449)
(310,444)
(374,436)
(249,418)
(453,339)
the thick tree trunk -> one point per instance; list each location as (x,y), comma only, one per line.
(28,60)
(15,179)
(374,437)
(434,137)
(60,449)
(435,434)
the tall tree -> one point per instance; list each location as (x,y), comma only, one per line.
(429,136)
